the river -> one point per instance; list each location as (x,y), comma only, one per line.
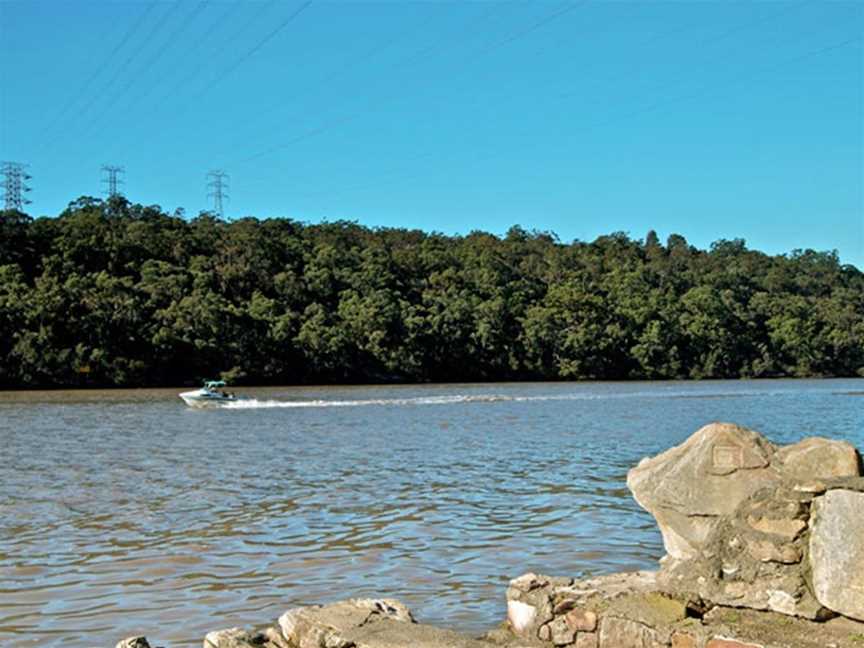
(125,512)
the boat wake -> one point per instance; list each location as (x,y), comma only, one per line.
(451,399)
(254,403)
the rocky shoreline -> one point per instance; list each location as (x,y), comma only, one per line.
(765,549)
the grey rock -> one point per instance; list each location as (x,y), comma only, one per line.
(688,487)
(786,528)
(837,551)
(587,640)
(818,459)
(582,620)
(388,633)
(615,631)
(326,626)
(768,551)
(530,604)
(365,623)
(561,632)
(133,642)
(234,638)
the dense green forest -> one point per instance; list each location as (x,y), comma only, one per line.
(113,293)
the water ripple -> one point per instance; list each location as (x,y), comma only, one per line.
(123,512)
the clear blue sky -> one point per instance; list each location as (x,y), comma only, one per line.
(709,119)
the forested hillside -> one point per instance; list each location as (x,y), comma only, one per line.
(121,294)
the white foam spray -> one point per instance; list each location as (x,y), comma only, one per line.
(254,403)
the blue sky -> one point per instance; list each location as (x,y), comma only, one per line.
(709,119)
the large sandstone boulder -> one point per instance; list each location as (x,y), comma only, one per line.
(734,511)
(837,551)
(690,487)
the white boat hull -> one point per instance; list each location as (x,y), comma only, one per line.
(201,398)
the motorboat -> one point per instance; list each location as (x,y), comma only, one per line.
(212,394)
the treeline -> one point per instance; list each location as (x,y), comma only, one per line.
(112,293)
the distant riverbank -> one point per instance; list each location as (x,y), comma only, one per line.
(244,387)
(118,294)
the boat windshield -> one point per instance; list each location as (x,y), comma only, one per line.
(213,384)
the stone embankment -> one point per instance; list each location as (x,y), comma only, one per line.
(765,549)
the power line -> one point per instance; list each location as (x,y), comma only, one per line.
(255,48)
(635,71)
(150,63)
(85,87)
(349,65)
(397,177)
(217,185)
(353,63)
(468,27)
(560,11)
(169,40)
(302,136)
(320,129)
(15,185)
(207,36)
(247,55)
(119,72)
(566,8)
(113,179)
(737,81)
(148,39)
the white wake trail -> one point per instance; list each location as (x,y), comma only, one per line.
(254,403)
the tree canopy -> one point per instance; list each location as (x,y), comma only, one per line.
(112,293)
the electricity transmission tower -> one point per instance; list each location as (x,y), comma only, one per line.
(14,184)
(217,185)
(113,179)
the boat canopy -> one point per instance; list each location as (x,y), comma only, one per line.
(212,384)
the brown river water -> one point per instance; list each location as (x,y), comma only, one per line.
(125,512)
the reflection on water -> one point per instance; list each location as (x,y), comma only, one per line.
(124,512)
